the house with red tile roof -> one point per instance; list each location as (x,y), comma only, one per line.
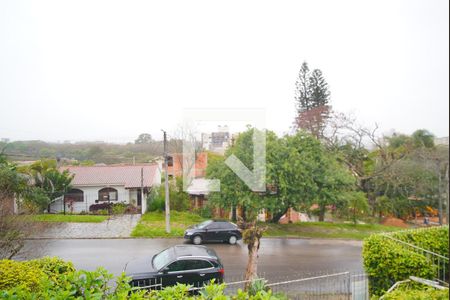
(128,184)
(175,164)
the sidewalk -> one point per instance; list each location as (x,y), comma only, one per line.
(115,227)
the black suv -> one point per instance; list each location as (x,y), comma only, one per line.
(218,231)
(186,264)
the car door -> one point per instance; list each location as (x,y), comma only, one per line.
(213,232)
(222,231)
(199,272)
(174,273)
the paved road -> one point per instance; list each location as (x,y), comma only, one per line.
(278,258)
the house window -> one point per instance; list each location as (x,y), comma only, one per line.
(170,161)
(107,194)
(74,195)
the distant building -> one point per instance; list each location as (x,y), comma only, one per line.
(441,141)
(217,141)
(175,164)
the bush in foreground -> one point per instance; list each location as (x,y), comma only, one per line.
(53,278)
(387,261)
(412,291)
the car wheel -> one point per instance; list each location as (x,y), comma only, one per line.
(232,240)
(197,240)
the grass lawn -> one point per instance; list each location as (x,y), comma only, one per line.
(69,218)
(152,224)
(327,230)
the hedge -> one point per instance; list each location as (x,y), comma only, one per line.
(434,239)
(387,261)
(416,292)
(53,278)
(29,275)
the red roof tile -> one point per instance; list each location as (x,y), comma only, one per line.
(127,175)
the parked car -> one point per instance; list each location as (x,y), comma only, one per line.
(218,231)
(185,264)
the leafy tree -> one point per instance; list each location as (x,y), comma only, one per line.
(414,181)
(356,203)
(383,206)
(179,199)
(13,229)
(303,173)
(423,138)
(299,172)
(234,192)
(312,99)
(48,182)
(144,138)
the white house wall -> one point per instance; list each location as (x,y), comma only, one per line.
(157,177)
(90,194)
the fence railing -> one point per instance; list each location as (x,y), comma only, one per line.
(334,286)
(440,262)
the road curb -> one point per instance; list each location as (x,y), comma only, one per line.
(168,238)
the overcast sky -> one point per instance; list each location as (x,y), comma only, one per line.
(109,70)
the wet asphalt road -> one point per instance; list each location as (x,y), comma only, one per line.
(278,258)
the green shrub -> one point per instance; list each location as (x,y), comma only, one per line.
(103,212)
(28,280)
(416,292)
(25,275)
(434,239)
(257,286)
(204,212)
(52,267)
(157,204)
(119,208)
(387,262)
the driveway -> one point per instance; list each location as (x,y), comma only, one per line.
(278,258)
(114,227)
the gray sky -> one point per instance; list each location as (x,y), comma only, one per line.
(109,70)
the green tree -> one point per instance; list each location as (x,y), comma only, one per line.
(234,192)
(12,228)
(299,172)
(179,199)
(415,180)
(303,173)
(312,97)
(144,138)
(48,182)
(356,203)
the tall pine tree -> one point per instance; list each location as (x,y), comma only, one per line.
(312,99)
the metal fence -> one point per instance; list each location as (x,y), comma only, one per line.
(333,286)
(440,262)
(341,285)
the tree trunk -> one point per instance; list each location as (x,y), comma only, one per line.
(251,236)
(321,213)
(251,271)
(244,217)
(277,216)
(233,213)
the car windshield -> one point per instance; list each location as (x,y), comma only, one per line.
(203,224)
(161,259)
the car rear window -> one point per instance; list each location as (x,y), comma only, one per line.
(162,259)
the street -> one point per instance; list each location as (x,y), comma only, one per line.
(278,258)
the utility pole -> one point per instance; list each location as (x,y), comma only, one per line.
(166,183)
(440,192)
(143,201)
